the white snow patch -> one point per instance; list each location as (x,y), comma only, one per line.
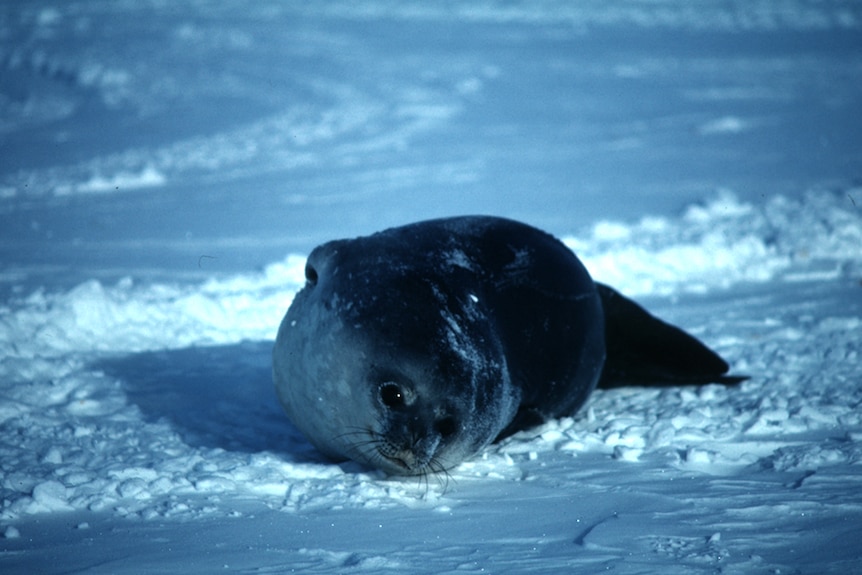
(726,242)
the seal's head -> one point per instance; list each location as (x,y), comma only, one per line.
(391,360)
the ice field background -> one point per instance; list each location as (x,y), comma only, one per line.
(166,167)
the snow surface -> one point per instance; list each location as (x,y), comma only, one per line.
(164,170)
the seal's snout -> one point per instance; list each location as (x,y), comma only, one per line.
(413,436)
(413,453)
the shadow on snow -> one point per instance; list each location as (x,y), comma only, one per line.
(214,396)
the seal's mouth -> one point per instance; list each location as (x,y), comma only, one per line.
(404,453)
(399,462)
(405,460)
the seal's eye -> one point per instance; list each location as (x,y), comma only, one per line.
(391,395)
(310,274)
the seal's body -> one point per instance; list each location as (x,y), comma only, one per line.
(413,348)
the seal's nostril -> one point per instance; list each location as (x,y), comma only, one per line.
(446,426)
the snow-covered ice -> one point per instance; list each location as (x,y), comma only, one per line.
(164,172)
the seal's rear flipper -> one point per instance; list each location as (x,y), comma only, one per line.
(643,350)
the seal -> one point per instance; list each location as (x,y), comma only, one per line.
(412,349)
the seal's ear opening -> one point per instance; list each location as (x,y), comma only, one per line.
(310,274)
(644,350)
(323,261)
